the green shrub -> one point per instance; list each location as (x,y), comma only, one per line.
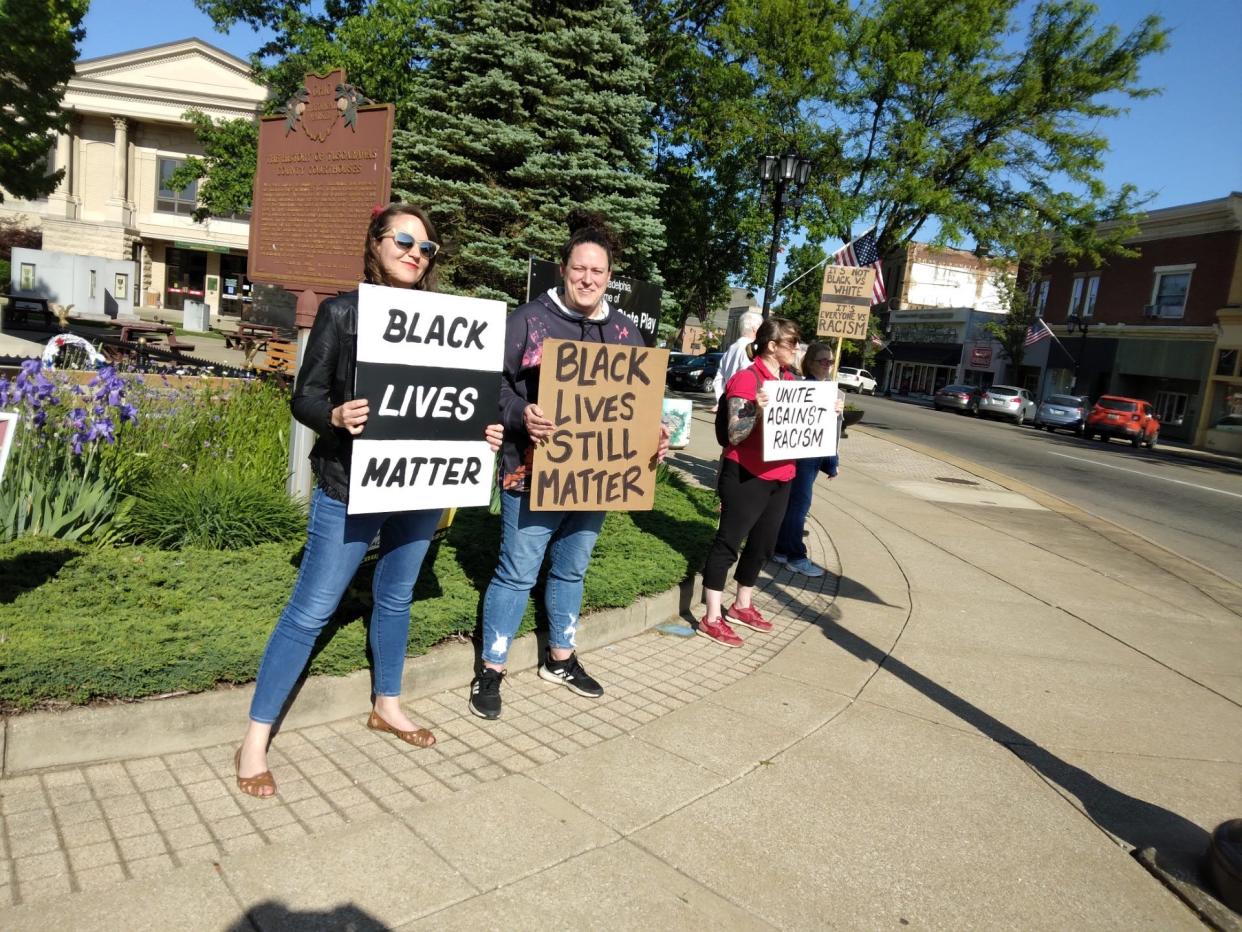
(217,510)
(244,428)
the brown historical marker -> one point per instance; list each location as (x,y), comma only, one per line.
(322,167)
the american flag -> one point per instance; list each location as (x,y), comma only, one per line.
(862,251)
(1038,330)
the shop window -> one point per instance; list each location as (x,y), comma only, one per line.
(1171,407)
(27,279)
(1226,361)
(182,201)
(1169,290)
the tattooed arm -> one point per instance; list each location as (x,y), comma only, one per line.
(743,415)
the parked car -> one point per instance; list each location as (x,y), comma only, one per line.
(696,374)
(677,359)
(1063,412)
(855,380)
(1128,418)
(1005,401)
(957,397)
(1230,423)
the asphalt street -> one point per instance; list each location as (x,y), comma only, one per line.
(1192,507)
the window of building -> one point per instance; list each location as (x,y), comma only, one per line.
(26,282)
(1226,362)
(92,283)
(1170,407)
(1043,297)
(1075,298)
(1093,289)
(1169,290)
(169,201)
(122,286)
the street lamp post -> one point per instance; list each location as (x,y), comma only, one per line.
(780,171)
(1072,323)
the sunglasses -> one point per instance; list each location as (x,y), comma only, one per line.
(407,242)
(822,361)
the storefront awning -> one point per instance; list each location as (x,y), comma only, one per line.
(930,354)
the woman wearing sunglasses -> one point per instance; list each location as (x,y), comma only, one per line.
(753,491)
(817,366)
(401,252)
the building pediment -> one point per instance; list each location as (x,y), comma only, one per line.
(163,81)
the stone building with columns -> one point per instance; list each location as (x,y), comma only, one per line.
(126,136)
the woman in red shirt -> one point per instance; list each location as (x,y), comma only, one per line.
(753,492)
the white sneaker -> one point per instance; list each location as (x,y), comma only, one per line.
(780,558)
(806,568)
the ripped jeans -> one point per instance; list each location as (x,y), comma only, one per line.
(525,536)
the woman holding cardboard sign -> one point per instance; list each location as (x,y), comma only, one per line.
(576,310)
(401,252)
(753,492)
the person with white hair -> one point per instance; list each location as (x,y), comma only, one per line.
(735,359)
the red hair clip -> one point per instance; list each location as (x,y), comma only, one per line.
(376,211)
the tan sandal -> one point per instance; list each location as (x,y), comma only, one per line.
(252,785)
(420,738)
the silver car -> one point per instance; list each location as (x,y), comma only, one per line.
(1063,412)
(1007,401)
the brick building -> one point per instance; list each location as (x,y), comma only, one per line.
(1156,323)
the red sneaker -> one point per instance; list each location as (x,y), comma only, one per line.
(749,617)
(720,631)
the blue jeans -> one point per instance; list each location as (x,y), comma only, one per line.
(525,536)
(335,545)
(789,539)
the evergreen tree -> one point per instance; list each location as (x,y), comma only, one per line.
(525,111)
(38,46)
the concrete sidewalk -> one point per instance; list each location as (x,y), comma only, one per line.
(972,721)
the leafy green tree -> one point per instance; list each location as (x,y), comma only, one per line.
(38,47)
(226,168)
(916,113)
(381,44)
(525,112)
(800,288)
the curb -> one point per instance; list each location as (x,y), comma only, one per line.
(48,740)
(1171,562)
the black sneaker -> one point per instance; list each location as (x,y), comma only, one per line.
(570,673)
(485,693)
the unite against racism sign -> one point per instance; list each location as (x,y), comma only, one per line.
(605,401)
(800,420)
(429,366)
(845,301)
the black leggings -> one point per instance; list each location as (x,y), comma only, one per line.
(751,509)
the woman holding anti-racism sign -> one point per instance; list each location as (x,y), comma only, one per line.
(816,366)
(753,492)
(401,252)
(575,310)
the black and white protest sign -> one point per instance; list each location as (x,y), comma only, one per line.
(800,420)
(429,367)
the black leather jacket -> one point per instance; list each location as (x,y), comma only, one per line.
(326,380)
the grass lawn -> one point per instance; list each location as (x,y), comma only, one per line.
(80,623)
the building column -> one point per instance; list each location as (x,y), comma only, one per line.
(58,205)
(119,208)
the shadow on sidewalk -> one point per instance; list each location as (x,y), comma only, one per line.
(1180,843)
(271,916)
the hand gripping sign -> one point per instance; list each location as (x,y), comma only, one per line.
(429,366)
(800,420)
(605,402)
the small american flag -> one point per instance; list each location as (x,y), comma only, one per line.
(1038,330)
(862,251)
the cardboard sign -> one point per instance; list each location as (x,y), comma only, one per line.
(800,420)
(638,300)
(845,301)
(429,366)
(605,401)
